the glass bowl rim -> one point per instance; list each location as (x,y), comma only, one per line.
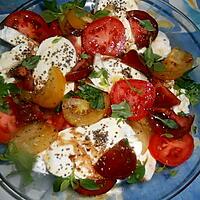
(16,194)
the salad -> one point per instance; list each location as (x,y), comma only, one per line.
(93,97)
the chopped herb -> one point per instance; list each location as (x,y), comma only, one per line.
(182,114)
(160,169)
(101,13)
(153,60)
(84,56)
(22,160)
(173,173)
(121,111)
(194,129)
(167,135)
(61,184)
(6,90)
(53,11)
(147,25)
(56,40)
(138,174)
(93,95)
(103,75)
(168,122)
(192,88)
(31,62)
(134,89)
(89,184)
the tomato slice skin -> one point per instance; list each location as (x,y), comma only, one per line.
(118,162)
(170,151)
(133,59)
(29,23)
(139,94)
(105,36)
(106,185)
(54,29)
(142,36)
(184,122)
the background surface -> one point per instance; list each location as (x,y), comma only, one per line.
(192,9)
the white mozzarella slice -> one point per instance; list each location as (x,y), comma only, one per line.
(116,70)
(150,165)
(69,86)
(14,57)
(40,166)
(79,148)
(161,45)
(54,51)
(14,37)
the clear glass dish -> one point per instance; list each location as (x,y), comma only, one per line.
(182,33)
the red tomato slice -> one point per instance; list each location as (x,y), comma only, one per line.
(105,186)
(81,70)
(105,36)
(139,94)
(165,98)
(7,127)
(54,29)
(142,36)
(133,59)
(28,23)
(118,162)
(169,151)
(184,122)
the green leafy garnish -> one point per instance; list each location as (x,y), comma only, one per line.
(93,95)
(84,56)
(173,173)
(89,184)
(121,111)
(168,122)
(103,75)
(147,25)
(137,175)
(101,13)
(56,40)
(54,12)
(194,129)
(31,62)
(167,135)
(61,184)
(6,90)
(22,160)
(192,88)
(153,60)
(160,169)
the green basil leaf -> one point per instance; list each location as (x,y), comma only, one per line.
(121,111)
(31,62)
(137,175)
(89,184)
(101,13)
(56,40)
(49,15)
(147,25)
(103,75)
(168,122)
(57,183)
(93,95)
(158,67)
(173,173)
(84,56)
(64,185)
(160,169)
(22,160)
(51,5)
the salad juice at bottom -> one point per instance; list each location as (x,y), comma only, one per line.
(93,97)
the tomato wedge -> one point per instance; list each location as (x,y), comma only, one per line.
(118,162)
(29,23)
(142,35)
(54,29)
(7,127)
(105,186)
(139,94)
(105,36)
(170,151)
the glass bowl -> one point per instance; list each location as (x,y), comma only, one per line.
(182,33)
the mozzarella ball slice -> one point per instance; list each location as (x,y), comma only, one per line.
(54,51)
